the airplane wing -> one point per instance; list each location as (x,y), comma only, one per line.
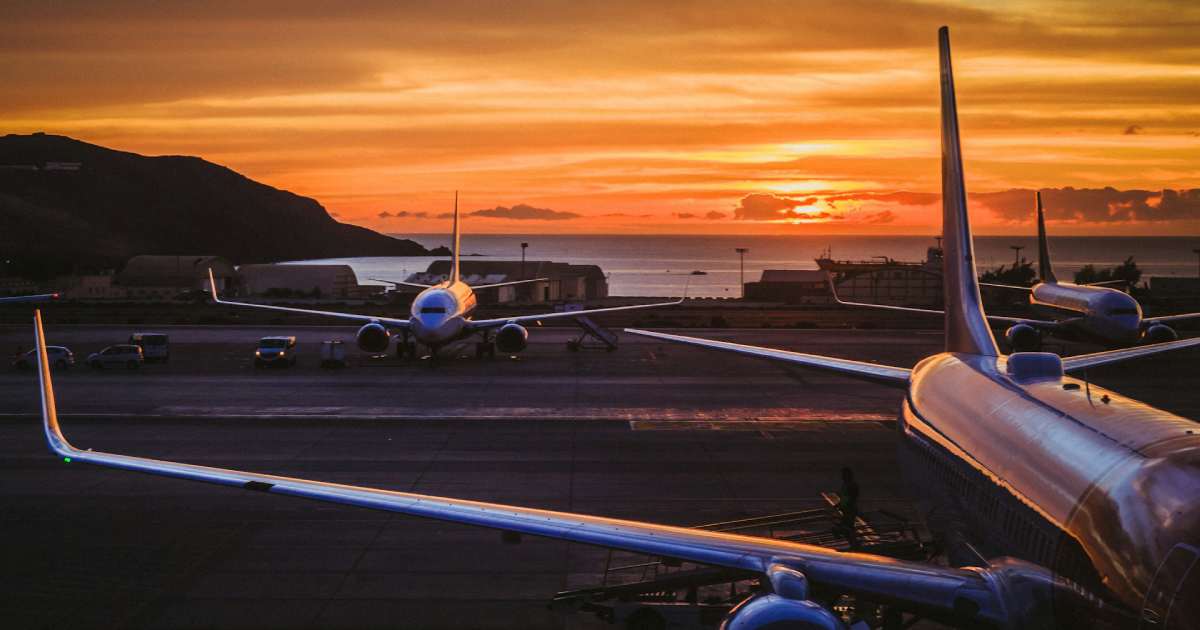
(1005,286)
(401,283)
(482,324)
(971,596)
(883,374)
(354,317)
(1084,361)
(1106,283)
(44,297)
(1041,324)
(505,284)
(1169,318)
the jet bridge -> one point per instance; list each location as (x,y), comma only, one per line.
(639,592)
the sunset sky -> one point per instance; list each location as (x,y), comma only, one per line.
(631,116)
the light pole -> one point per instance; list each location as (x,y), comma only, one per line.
(524,246)
(1197,253)
(742,268)
(1016,254)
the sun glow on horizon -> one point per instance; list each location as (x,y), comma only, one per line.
(626,117)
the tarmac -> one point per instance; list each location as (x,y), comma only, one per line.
(652,431)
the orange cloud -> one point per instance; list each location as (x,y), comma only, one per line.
(700,107)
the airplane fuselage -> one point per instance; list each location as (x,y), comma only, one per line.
(1099,488)
(1106,315)
(440,313)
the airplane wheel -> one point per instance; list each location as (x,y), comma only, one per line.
(96,365)
(480,350)
(491,350)
(573,346)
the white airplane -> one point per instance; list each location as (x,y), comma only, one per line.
(1098,313)
(1096,497)
(44,297)
(441,314)
(1101,314)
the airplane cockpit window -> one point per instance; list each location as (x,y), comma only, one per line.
(1123,311)
(433,309)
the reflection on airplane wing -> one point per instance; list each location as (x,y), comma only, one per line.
(480,324)
(355,317)
(1084,361)
(971,595)
(885,374)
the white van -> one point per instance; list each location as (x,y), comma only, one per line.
(155,346)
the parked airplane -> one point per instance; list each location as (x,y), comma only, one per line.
(45,297)
(1099,495)
(1101,314)
(441,314)
(1097,313)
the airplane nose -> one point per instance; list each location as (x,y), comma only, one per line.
(431,328)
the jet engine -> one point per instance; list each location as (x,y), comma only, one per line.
(773,611)
(1023,338)
(787,606)
(1158,333)
(373,338)
(512,338)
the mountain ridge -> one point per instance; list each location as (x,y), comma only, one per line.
(65,203)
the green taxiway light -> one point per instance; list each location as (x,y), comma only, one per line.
(67,460)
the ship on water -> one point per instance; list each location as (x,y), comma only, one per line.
(885,280)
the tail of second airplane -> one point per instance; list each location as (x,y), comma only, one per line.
(1045,270)
(455,276)
(967,329)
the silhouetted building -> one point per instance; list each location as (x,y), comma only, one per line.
(790,286)
(325,281)
(154,277)
(888,281)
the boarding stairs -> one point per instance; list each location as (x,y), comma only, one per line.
(634,582)
(602,338)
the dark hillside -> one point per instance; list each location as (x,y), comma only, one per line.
(118,204)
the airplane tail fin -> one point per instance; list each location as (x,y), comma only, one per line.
(455,276)
(1045,270)
(967,330)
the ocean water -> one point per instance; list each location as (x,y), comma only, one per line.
(655,265)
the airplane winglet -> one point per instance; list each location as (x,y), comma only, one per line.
(54,437)
(212,286)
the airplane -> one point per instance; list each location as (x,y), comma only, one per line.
(1096,496)
(44,297)
(441,314)
(1099,314)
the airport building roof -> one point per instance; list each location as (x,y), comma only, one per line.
(183,271)
(793,275)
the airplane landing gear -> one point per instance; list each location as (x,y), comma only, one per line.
(487,347)
(405,347)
